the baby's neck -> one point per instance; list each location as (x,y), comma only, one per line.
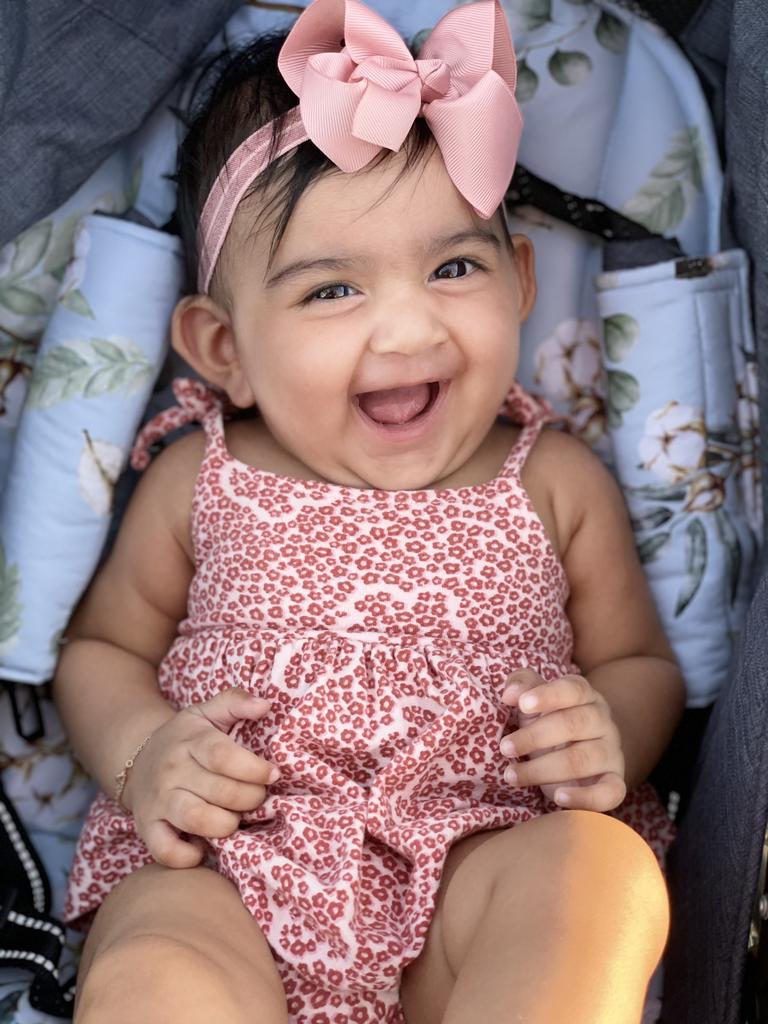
(249,441)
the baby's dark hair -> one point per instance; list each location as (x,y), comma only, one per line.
(235,94)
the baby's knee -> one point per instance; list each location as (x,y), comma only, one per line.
(621,871)
(157,978)
(584,865)
(142,977)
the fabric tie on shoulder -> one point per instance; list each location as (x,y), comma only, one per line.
(524,408)
(195,400)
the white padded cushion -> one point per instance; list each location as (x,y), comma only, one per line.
(95,369)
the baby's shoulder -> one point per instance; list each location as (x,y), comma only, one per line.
(564,479)
(179,461)
(557,452)
(168,483)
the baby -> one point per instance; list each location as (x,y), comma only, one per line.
(355,642)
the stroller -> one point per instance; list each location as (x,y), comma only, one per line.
(647,345)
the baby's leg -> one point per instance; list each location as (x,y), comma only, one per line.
(177,945)
(561,918)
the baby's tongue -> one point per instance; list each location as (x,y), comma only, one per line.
(395,405)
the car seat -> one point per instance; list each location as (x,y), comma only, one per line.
(643,338)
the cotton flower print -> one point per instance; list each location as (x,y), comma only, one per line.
(706,493)
(17,357)
(98,470)
(674,443)
(694,465)
(569,370)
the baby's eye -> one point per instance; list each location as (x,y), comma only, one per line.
(332,291)
(456,268)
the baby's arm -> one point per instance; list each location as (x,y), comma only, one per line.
(622,713)
(190,777)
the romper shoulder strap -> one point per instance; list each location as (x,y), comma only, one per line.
(197,403)
(531,413)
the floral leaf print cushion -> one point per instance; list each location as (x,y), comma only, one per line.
(86,395)
(688,463)
(654,365)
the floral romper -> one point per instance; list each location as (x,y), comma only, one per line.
(382,626)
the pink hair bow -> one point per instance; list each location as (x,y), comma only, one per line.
(355,101)
(360,90)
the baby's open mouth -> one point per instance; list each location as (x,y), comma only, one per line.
(398,405)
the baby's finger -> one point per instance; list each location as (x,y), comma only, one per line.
(543,732)
(565,692)
(603,795)
(518,683)
(169,849)
(189,813)
(222,756)
(575,761)
(227,792)
(229,707)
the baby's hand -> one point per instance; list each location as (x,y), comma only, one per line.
(192,778)
(571,741)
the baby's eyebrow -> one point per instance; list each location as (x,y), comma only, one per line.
(478,234)
(332,263)
(338,264)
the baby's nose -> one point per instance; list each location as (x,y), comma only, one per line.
(408,329)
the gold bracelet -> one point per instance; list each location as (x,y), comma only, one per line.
(122,777)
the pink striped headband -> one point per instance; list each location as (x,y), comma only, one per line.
(363,97)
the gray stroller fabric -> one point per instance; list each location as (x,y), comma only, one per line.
(76,78)
(714,864)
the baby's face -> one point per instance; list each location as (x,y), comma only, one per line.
(382,338)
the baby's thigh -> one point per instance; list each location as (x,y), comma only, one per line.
(426,986)
(176,944)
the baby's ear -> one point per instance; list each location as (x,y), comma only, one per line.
(202,333)
(525,263)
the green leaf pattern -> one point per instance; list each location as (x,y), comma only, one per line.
(62,243)
(732,547)
(623,395)
(526,15)
(87,369)
(651,519)
(30,248)
(527,81)
(695,504)
(695,564)
(10,603)
(75,301)
(620,332)
(567,65)
(34,264)
(650,548)
(611,33)
(660,204)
